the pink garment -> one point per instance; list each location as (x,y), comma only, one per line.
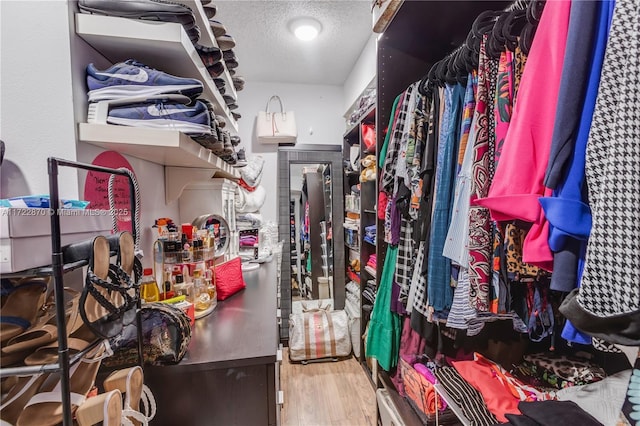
(518,180)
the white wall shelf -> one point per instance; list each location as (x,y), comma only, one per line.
(161,45)
(166,147)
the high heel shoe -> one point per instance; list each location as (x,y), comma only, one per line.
(105,408)
(45,407)
(21,304)
(130,381)
(18,397)
(105,304)
(45,330)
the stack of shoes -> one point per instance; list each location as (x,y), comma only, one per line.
(210,141)
(107,304)
(155,103)
(150,10)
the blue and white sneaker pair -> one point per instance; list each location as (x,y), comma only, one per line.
(133,79)
(193,120)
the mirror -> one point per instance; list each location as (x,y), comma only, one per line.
(220,231)
(310,218)
(311,233)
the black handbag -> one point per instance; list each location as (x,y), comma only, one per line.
(166,333)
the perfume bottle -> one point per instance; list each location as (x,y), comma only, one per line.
(187,253)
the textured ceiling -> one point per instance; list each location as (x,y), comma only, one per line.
(268,51)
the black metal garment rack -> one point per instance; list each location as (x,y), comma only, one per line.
(57,270)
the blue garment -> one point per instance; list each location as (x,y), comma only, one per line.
(439,291)
(567,210)
(568,214)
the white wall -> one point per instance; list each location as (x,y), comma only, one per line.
(152,198)
(36,116)
(318,110)
(363,72)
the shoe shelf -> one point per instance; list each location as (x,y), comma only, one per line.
(165,147)
(47,368)
(45,271)
(161,45)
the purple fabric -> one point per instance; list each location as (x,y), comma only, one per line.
(411,343)
(395,223)
(396,305)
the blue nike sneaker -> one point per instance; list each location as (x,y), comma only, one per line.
(131,78)
(192,120)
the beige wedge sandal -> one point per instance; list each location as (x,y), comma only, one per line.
(18,396)
(45,407)
(130,381)
(105,409)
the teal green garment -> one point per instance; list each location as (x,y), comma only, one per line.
(383,338)
(385,145)
(309,262)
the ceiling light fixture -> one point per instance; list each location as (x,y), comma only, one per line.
(306,29)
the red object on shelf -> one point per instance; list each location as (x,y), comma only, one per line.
(353,276)
(187,229)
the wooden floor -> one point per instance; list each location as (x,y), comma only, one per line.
(327,394)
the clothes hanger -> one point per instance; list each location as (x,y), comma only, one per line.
(534,11)
(484,22)
(512,28)
(494,44)
(441,72)
(425,88)
(526,38)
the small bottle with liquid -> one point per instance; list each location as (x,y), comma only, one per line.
(187,251)
(186,289)
(211,287)
(203,301)
(149,288)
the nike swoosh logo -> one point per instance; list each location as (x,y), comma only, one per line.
(141,77)
(153,110)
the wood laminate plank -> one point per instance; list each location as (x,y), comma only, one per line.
(328,393)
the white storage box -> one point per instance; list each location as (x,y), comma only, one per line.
(389,415)
(323,288)
(25,234)
(354,326)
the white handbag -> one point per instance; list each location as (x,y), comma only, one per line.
(276,127)
(319,333)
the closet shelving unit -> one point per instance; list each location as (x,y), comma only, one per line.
(367,216)
(165,46)
(57,270)
(407,40)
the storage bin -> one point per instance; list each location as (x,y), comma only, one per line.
(324,291)
(353,312)
(25,234)
(389,415)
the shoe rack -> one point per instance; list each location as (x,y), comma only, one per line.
(367,216)
(164,46)
(57,270)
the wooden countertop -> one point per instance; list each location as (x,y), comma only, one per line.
(241,330)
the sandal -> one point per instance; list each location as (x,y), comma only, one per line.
(20,307)
(130,265)
(105,409)
(130,381)
(105,302)
(45,331)
(45,407)
(18,397)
